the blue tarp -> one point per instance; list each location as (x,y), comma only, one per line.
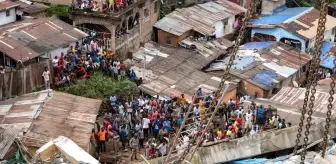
(327,62)
(256,45)
(251,161)
(265,78)
(280,17)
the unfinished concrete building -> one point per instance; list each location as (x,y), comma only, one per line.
(122,30)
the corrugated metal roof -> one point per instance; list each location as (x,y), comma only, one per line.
(300,21)
(7,138)
(274,58)
(280,17)
(294,97)
(6,4)
(176,72)
(24,41)
(64,115)
(256,45)
(33,8)
(57,114)
(200,17)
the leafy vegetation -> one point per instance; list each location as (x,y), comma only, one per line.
(100,87)
(58,10)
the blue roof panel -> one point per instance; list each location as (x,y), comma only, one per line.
(327,61)
(256,45)
(265,78)
(279,17)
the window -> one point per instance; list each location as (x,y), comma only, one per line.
(146,13)
(7,13)
(156,6)
(226,27)
(168,40)
(303,69)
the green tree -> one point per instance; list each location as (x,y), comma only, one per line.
(58,10)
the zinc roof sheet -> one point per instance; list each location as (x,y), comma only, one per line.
(200,17)
(28,40)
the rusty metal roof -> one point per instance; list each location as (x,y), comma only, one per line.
(294,97)
(200,17)
(277,61)
(33,8)
(6,4)
(7,138)
(45,117)
(28,39)
(64,115)
(174,71)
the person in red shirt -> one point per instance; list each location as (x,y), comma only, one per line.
(237,102)
(61,59)
(122,69)
(239,120)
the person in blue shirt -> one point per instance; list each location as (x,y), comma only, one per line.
(167,125)
(199,92)
(132,76)
(260,116)
(157,125)
(180,120)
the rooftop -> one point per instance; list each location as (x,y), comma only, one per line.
(200,17)
(31,38)
(6,4)
(294,97)
(33,8)
(44,117)
(300,21)
(174,71)
(264,63)
(328,55)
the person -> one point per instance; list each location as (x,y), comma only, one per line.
(328,75)
(145,126)
(46,76)
(180,120)
(141,138)
(61,59)
(132,76)
(199,92)
(162,148)
(248,121)
(92,138)
(134,143)
(102,135)
(122,69)
(156,126)
(183,99)
(55,62)
(123,137)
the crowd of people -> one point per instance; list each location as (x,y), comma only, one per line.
(104,6)
(81,60)
(150,123)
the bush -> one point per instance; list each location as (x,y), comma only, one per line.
(100,87)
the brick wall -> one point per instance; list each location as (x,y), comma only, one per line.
(174,40)
(252,89)
(229,95)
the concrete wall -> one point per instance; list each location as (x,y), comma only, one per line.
(7,19)
(131,42)
(258,144)
(268,6)
(279,33)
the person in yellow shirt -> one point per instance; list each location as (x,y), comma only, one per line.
(183,100)
(219,133)
(202,109)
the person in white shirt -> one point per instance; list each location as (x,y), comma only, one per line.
(46,76)
(141,102)
(163,149)
(248,121)
(328,75)
(145,126)
(55,62)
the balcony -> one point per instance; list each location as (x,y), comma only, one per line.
(121,38)
(113,13)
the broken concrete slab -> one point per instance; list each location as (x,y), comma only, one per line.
(249,146)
